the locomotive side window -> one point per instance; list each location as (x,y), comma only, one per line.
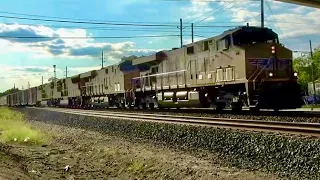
(223,44)
(190,50)
(154,70)
(251,37)
(205,45)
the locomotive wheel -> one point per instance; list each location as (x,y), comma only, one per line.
(144,106)
(254,109)
(220,106)
(236,106)
(160,107)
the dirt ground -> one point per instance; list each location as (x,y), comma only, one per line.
(82,154)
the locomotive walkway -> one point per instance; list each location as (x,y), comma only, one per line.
(308,129)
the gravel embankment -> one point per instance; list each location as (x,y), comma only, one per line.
(286,155)
(93,155)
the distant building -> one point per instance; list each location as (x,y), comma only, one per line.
(311,90)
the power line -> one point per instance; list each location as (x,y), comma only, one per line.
(294,37)
(205,14)
(201,36)
(106,23)
(120,29)
(97,37)
(276,22)
(97,27)
(89,22)
(81,19)
(218,10)
(130,28)
(221,26)
(287,22)
(209,1)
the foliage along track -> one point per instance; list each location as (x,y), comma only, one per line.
(289,156)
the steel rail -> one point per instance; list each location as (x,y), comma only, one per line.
(283,113)
(312,129)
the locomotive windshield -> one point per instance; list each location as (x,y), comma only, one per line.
(249,36)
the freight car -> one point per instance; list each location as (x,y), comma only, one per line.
(244,66)
(3,101)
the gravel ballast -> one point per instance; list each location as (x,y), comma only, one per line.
(289,156)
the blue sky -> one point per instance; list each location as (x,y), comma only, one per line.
(26,60)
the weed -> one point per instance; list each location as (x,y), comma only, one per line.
(14,128)
(136,166)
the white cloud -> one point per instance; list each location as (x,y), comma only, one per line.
(198,11)
(20,76)
(293,24)
(83,69)
(244,15)
(299,10)
(51,42)
(275,4)
(285,19)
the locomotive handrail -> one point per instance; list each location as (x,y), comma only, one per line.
(160,74)
(253,74)
(254,85)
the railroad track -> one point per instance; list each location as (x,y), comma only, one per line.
(309,129)
(246,112)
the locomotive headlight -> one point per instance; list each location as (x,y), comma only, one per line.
(295,74)
(273,49)
(271,74)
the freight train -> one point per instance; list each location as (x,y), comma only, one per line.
(243,67)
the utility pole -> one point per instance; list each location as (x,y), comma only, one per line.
(262,13)
(54,70)
(312,73)
(28,85)
(66,71)
(42,81)
(192,32)
(102,60)
(181,33)
(14,85)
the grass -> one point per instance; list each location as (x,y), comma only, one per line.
(311,106)
(136,166)
(14,128)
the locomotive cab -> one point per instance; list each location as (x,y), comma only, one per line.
(272,82)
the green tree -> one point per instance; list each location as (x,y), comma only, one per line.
(52,79)
(306,66)
(10,91)
(128,58)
